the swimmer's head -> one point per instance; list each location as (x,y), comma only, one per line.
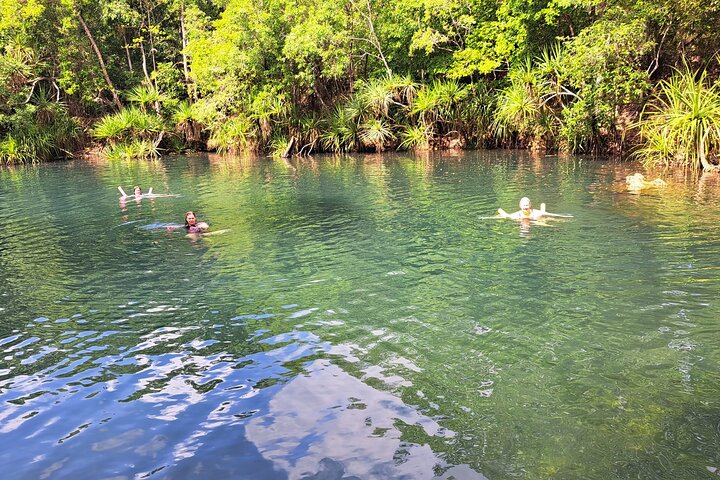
(190,219)
(137,190)
(525,203)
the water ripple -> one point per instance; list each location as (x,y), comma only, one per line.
(356,320)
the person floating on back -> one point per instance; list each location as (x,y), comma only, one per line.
(637,182)
(526,211)
(137,192)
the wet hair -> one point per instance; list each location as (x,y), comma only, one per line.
(137,187)
(187,225)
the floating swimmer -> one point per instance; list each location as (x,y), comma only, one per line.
(137,192)
(526,212)
(637,181)
(139,195)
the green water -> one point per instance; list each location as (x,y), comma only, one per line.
(358,320)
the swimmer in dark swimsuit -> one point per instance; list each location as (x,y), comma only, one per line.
(192,225)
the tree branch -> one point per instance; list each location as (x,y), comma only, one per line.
(116,99)
(373,40)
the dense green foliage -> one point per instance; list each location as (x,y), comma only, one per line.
(344,75)
(683,123)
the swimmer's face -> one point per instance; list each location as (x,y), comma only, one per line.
(525,204)
(137,191)
(190,218)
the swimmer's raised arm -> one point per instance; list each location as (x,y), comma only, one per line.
(544,213)
(122,192)
(150,191)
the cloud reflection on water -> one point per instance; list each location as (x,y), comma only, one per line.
(328,418)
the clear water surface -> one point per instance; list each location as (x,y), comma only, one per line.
(358,321)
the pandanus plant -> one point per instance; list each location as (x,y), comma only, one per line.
(269,109)
(681,124)
(379,108)
(187,123)
(437,109)
(130,133)
(341,130)
(41,129)
(129,124)
(376,133)
(146,96)
(521,110)
(234,135)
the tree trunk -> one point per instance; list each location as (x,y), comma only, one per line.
(570,25)
(706,166)
(127,51)
(289,148)
(144,60)
(186,68)
(351,66)
(150,36)
(116,99)
(373,40)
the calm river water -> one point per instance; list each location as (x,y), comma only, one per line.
(358,320)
